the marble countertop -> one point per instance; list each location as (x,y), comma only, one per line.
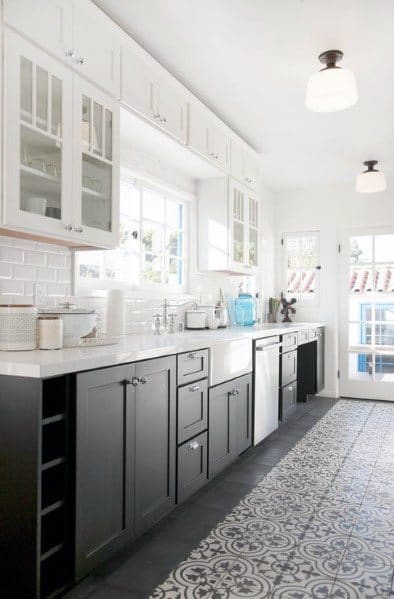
(131,348)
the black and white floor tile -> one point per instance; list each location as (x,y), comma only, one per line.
(319,525)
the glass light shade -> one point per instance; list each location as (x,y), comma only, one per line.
(331,90)
(371,182)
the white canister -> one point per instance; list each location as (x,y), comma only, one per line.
(18,327)
(50,331)
(195,319)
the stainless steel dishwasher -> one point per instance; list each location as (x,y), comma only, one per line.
(266,387)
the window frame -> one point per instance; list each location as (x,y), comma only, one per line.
(303,299)
(82,285)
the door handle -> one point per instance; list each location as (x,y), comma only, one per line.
(194,388)
(194,446)
(133,381)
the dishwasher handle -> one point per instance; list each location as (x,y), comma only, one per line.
(269,346)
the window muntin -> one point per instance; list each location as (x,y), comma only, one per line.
(152,243)
(301,265)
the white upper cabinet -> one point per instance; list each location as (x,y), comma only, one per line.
(76,32)
(243,228)
(244,164)
(153,93)
(61,151)
(96,47)
(207,136)
(46,22)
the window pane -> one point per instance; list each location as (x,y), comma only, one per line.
(360,367)
(152,238)
(362,280)
(360,249)
(173,242)
(302,251)
(153,205)
(174,214)
(384,248)
(90,265)
(173,275)
(152,268)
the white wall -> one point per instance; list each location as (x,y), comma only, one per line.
(328,210)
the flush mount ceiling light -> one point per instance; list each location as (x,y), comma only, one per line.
(332,88)
(371,180)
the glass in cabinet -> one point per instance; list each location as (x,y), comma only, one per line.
(98,166)
(38,143)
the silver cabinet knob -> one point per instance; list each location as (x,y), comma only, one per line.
(80,60)
(133,381)
(69,53)
(163,119)
(194,446)
(191,356)
(194,388)
(68,227)
(156,116)
(143,380)
(78,229)
(234,392)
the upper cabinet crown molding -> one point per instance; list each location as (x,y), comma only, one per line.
(76,32)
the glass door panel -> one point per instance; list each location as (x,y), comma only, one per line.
(238,227)
(26,90)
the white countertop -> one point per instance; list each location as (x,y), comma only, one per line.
(131,348)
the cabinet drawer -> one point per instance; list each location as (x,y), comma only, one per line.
(192,366)
(289,368)
(303,336)
(289,342)
(288,400)
(192,466)
(192,410)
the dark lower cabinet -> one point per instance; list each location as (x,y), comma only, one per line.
(192,466)
(230,422)
(306,371)
(320,356)
(155,441)
(125,456)
(105,417)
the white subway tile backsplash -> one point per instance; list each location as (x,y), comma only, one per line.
(10,254)
(22,272)
(56,260)
(35,258)
(46,274)
(5,270)
(27,266)
(11,287)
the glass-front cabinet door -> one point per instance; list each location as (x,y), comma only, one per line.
(38,142)
(253,231)
(238,212)
(96,179)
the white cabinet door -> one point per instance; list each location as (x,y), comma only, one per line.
(46,22)
(207,137)
(237,160)
(251,170)
(238,214)
(218,145)
(197,130)
(136,82)
(38,141)
(96,46)
(172,108)
(96,166)
(253,254)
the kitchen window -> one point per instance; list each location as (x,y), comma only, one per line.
(301,266)
(151,253)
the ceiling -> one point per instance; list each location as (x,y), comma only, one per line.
(249,61)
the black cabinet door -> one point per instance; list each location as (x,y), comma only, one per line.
(244,413)
(222,427)
(192,466)
(192,410)
(104,464)
(320,360)
(306,371)
(155,441)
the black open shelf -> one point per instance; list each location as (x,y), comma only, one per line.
(54,397)
(53,485)
(53,441)
(55,574)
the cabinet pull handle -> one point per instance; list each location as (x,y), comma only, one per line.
(234,393)
(143,380)
(133,381)
(80,60)
(78,229)
(163,119)
(68,227)
(290,388)
(194,388)
(191,356)
(69,53)
(194,446)
(156,115)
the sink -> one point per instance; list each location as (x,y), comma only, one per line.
(230,359)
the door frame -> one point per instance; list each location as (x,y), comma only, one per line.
(362,389)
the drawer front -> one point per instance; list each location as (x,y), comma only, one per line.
(192,366)
(289,342)
(288,400)
(192,410)
(289,368)
(192,466)
(303,336)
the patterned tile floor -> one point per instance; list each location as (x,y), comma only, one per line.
(318,525)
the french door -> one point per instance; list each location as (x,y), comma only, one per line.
(366,331)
